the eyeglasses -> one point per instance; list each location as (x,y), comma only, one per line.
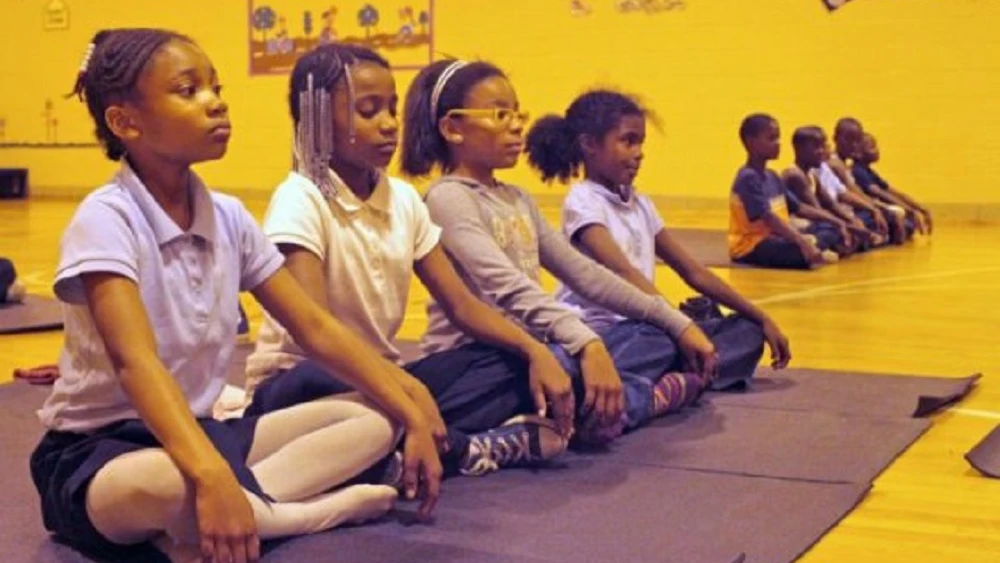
(502,116)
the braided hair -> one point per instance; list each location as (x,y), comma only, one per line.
(310,92)
(110,71)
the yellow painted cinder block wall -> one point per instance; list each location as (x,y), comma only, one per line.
(924,75)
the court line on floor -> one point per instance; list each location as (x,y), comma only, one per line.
(978,413)
(825,289)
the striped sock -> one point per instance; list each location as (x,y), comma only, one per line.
(675,391)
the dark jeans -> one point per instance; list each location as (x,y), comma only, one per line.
(776,252)
(642,353)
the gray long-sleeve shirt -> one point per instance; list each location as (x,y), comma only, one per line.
(497,240)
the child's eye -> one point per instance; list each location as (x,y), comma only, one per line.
(217,89)
(187,91)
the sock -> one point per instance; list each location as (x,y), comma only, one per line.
(675,391)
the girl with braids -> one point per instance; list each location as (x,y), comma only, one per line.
(603,132)
(464,118)
(150,269)
(354,237)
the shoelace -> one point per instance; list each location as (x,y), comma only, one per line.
(494,451)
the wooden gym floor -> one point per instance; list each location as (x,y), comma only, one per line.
(926,309)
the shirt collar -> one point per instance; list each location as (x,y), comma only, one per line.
(345,198)
(164,228)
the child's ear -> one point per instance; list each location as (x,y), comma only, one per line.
(450,131)
(589,144)
(121,122)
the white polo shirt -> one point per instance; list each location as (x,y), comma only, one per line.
(368,248)
(189,284)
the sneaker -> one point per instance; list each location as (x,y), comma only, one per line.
(830,257)
(392,474)
(521,441)
(701,308)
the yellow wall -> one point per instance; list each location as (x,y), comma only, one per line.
(924,75)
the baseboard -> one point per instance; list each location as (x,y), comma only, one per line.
(76,192)
(675,209)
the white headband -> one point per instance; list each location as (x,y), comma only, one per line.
(442,80)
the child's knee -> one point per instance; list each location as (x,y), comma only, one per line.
(137,494)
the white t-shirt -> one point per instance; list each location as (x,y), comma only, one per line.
(633,224)
(367,248)
(829,182)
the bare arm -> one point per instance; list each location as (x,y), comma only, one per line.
(785,231)
(225,520)
(599,285)
(702,279)
(307,269)
(906,199)
(707,283)
(602,247)
(340,351)
(335,346)
(795,180)
(121,321)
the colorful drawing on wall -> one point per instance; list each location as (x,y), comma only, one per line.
(282,30)
(834,4)
(649,6)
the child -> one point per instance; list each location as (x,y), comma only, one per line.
(11,288)
(603,216)
(888,220)
(464,117)
(801,182)
(873,184)
(150,269)
(353,237)
(759,228)
(823,189)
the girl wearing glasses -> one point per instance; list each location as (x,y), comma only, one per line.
(354,237)
(464,119)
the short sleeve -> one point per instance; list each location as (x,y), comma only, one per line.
(99,238)
(793,201)
(426,235)
(259,257)
(581,209)
(749,188)
(653,218)
(294,216)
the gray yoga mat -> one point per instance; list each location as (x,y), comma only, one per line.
(852,393)
(600,511)
(811,446)
(590,508)
(985,457)
(34,314)
(766,477)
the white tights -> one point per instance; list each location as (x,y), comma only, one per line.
(297,455)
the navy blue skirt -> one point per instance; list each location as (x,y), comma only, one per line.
(64,463)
